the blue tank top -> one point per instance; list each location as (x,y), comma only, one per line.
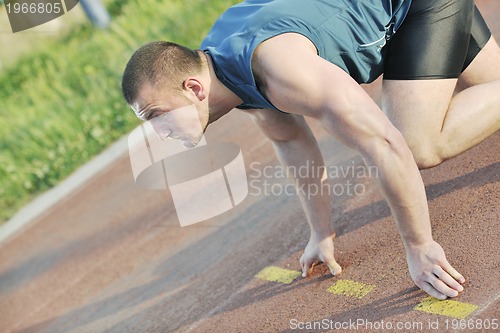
(348,33)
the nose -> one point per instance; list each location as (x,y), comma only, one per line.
(161,127)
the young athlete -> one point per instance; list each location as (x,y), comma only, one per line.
(284,60)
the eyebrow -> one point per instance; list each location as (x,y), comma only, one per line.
(149,113)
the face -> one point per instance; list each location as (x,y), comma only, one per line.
(183,117)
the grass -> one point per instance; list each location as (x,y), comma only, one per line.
(62,104)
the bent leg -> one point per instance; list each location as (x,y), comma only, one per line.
(438,125)
(421,76)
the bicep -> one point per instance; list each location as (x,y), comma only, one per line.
(299,81)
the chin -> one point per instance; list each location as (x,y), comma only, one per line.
(191,143)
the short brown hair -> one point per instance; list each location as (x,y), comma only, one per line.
(159,62)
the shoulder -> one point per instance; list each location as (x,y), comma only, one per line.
(279,48)
(278,55)
(296,80)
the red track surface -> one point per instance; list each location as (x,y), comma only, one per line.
(112,257)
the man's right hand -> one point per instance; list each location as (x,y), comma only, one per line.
(319,249)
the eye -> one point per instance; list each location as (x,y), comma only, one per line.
(152,115)
(156,114)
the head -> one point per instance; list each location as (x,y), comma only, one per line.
(169,83)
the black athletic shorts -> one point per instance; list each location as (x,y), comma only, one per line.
(437,40)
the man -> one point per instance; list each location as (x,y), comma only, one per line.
(284,60)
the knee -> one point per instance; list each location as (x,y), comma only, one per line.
(426,155)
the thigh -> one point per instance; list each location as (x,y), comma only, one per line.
(424,60)
(432,42)
(480,34)
(418,108)
(484,68)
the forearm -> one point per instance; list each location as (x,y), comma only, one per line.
(303,153)
(401,183)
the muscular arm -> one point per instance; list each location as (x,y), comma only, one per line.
(296,147)
(296,80)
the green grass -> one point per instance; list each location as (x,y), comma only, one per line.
(62,104)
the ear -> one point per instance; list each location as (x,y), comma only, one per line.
(195,87)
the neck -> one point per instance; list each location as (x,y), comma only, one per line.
(221,99)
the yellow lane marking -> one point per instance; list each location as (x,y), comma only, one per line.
(447,308)
(350,288)
(277,274)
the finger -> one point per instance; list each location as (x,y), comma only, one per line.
(305,270)
(447,278)
(441,287)
(334,267)
(429,289)
(307,267)
(453,272)
(302,264)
